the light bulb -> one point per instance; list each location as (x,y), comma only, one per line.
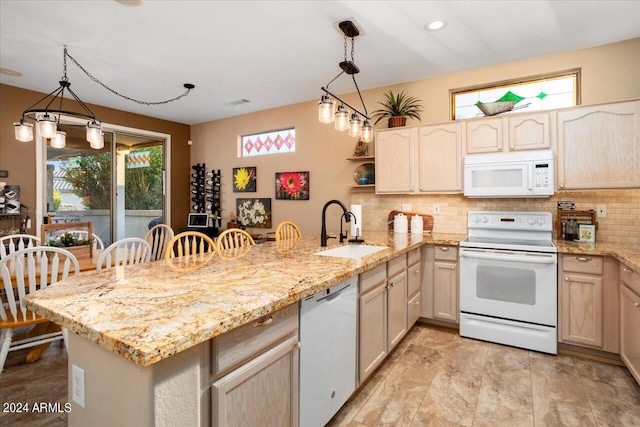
(23,131)
(94,131)
(354,125)
(367,132)
(326,109)
(342,119)
(47,126)
(59,140)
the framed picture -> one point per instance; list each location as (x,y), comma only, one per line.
(292,185)
(244,180)
(587,233)
(254,212)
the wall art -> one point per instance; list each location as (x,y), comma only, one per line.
(244,180)
(254,212)
(292,185)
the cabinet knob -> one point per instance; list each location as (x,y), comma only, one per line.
(561,185)
(417,271)
(297,346)
(566,279)
(453,267)
(444,248)
(264,322)
(421,189)
(511,147)
(637,304)
(500,147)
(583,259)
(418,303)
(627,270)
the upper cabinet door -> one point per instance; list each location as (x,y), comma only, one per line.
(599,147)
(485,135)
(529,131)
(440,158)
(394,160)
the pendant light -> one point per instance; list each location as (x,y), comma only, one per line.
(344,119)
(59,140)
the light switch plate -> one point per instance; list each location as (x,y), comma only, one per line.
(601,211)
(406,207)
(436,209)
(77,384)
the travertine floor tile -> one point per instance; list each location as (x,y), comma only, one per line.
(550,365)
(560,387)
(617,376)
(554,413)
(612,405)
(509,389)
(503,359)
(349,411)
(425,420)
(488,415)
(465,355)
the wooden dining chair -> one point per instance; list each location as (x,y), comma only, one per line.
(159,237)
(132,250)
(24,272)
(234,238)
(189,243)
(15,242)
(287,230)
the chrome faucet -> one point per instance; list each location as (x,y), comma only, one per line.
(323,233)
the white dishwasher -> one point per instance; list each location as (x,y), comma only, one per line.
(327,352)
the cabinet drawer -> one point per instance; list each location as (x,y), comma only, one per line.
(245,342)
(413,310)
(371,278)
(414,256)
(630,277)
(445,253)
(413,281)
(582,264)
(396,266)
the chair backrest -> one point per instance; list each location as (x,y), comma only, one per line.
(132,250)
(83,234)
(28,270)
(234,238)
(159,237)
(189,243)
(16,242)
(287,230)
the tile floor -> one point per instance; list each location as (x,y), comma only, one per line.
(437,378)
(433,378)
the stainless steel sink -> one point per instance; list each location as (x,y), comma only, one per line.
(351,251)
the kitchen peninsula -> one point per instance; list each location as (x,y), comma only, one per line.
(163,317)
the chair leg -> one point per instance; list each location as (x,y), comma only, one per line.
(5,343)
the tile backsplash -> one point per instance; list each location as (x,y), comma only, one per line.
(621,225)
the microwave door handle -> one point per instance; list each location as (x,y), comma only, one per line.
(538,259)
(530,169)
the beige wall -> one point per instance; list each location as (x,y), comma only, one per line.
(609,73)
(19,157)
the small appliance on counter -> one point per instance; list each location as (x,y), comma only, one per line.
(569,221)
(426,227)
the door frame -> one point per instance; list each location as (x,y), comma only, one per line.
(41,165)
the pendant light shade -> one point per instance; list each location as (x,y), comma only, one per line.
(326,110)
(342,119)
(354,125)
(59,140)
(94,133)
(47,126)
(99,144)
(23,131)
(367,132)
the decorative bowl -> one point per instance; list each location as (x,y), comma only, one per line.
(365,174)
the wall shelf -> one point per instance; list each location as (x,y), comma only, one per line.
(362,159)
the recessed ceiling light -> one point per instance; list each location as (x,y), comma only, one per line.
(10,72)
(434,26)
(134,3)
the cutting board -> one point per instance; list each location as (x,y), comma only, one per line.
(427,220)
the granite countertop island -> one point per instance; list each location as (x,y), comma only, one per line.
(628,254)
(149,312)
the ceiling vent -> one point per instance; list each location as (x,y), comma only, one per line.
(238,102)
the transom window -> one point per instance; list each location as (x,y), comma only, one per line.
(535,94)
(275,142)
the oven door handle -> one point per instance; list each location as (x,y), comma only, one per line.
(535,259)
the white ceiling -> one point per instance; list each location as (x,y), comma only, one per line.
(276,53)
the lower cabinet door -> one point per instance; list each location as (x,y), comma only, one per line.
(445,291)
(413,310)
(581,309)
(263,391)
(630,330)
(397,309)
(372,331)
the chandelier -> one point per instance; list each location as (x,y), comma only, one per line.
(47,118)
(343,118)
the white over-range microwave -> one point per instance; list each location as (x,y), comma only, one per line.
(519,174)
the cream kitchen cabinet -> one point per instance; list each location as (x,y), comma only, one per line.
(588,300)
(414,280)
(599,146)
(382,319)
(257,363)
(513,132)
(630,320)
(440,283)
(395,160)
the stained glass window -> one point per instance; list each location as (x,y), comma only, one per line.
(536,94)
(279,141)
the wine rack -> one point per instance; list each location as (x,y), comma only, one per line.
(198,188)
(213,202)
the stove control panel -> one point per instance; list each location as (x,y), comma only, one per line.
(511,220)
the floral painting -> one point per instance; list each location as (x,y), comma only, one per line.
(244,180)
(292,185)
(254,212)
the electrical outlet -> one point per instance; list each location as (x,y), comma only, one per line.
(602,211)
(436,209)
(77,384)
(406,207)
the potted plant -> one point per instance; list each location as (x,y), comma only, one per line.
(397,108)
(81,248)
